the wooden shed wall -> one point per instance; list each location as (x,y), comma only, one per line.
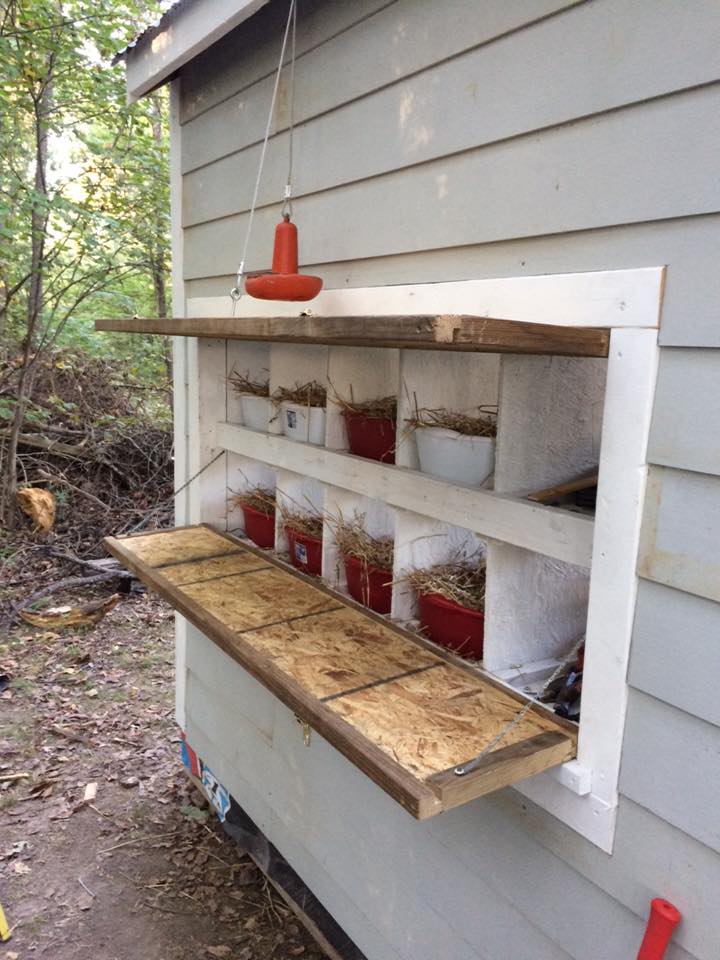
(486,139)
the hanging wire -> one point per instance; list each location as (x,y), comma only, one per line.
(287,204)
(236,291)
(520,715)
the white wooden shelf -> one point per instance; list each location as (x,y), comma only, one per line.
(559,534)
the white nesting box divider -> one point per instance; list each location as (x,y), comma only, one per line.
(379,521)
(293,365)
(250,360)
(363,373)
(298,494)
(549,427)
(454,381)
(421,543)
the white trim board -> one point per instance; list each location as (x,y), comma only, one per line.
(612,298)
(557,533)
(584,793)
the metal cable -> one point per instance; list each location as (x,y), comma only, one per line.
(236,292)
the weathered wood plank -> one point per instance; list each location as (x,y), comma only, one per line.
(475,334)
(501,767)
(398,711)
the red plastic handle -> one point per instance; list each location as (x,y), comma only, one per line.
(664,917)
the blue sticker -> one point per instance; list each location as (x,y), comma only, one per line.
(215,792)
(301,553)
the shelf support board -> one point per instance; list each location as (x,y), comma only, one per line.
(421,332)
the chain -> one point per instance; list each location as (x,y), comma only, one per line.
(519,717)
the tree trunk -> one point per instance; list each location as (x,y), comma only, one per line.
(41,108)
(158,256)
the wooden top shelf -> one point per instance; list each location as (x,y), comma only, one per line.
(422,332)
(401,709)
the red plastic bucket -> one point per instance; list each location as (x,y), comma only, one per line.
(369,585)
(371,437)
(452,626)
(259,527)
(305,551)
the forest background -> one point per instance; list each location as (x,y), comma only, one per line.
(84,232)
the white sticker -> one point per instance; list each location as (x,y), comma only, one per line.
(215,792)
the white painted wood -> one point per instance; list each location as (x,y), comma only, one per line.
(420,543)
(296,494)
(632,368)
(536,607)
(681,531)
(211,485)
(549,426)
(341,504)
(251,360)
(675,654)
(359,373)
(557,533)
(613,298)
(180,37)
(181,348)
(687,399)
(549,422)
(457,382)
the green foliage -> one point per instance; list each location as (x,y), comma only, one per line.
(104,205)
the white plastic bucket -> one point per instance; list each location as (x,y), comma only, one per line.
(300,422)
(257,412)
(454,456)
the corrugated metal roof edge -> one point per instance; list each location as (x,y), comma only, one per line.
(150,32)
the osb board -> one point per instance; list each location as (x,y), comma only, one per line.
(431,721)
(187,571)
(249,600)
(402,710)
(178,546)
(334,652)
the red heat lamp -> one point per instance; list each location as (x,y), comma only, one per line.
(283,282)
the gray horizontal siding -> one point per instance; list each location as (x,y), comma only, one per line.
(399,40)
(588,174)
(497,879)
(453,106)
(675,654)
(671,765)
(681,531)
(686,419)
(688,245)
(250,53)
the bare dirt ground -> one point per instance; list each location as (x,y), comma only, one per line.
(143,871)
